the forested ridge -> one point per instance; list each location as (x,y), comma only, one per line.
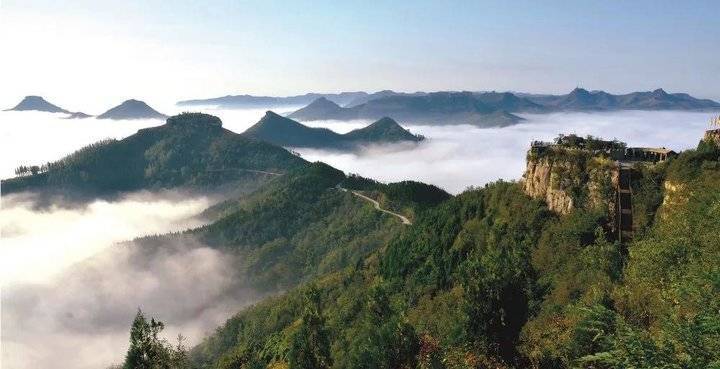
(190,150)
(298,226)
(492,278)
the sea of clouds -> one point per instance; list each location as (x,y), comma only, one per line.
(70,291)
(453,157)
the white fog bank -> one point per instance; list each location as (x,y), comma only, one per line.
(70,286)
(39,243)
(81,320)
(455,157)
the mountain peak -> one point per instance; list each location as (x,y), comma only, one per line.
(271,114)
(132,109)
(37,103)
(320,107)
(385,122)
(323,102)
(383,130)
(283,131)
(194,120)
(659,92)
(273,121)
(579,91)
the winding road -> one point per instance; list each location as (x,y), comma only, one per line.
(376,204)
(244,170)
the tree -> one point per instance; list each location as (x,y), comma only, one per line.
(21,170)
(148,351)
(384,339)
(310,344)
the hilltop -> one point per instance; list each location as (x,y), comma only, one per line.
(37,103)
(189,150)
(78,115)
(132,109)
(322,107)
(284,131)
(382,131)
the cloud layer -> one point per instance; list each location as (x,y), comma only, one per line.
(70,291)
(38,243)
(455,157)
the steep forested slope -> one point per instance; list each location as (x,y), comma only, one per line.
(298,225)
(492,278)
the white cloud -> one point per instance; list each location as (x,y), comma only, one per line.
(70,290)
(82,318)
(455,157)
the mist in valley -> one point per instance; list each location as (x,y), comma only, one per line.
(455,157)
(72,283)
(452,157)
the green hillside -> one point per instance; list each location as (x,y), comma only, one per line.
(491,278)
(191,150)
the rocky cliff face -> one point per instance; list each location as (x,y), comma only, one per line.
(712,136)
(567,179)
(541,181)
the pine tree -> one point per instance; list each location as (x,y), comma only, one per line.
(310,344)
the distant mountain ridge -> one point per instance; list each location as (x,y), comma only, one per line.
(581,99)
(283,131)
(132,109)
(249,101)
(484,109)
(437,108)
(380,94)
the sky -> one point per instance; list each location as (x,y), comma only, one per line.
(90,55)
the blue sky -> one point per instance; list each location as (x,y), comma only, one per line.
(77,50)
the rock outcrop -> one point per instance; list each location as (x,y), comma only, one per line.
(712,136)
(541,182)
(570,178)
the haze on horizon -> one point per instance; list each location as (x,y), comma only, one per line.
(86,55)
